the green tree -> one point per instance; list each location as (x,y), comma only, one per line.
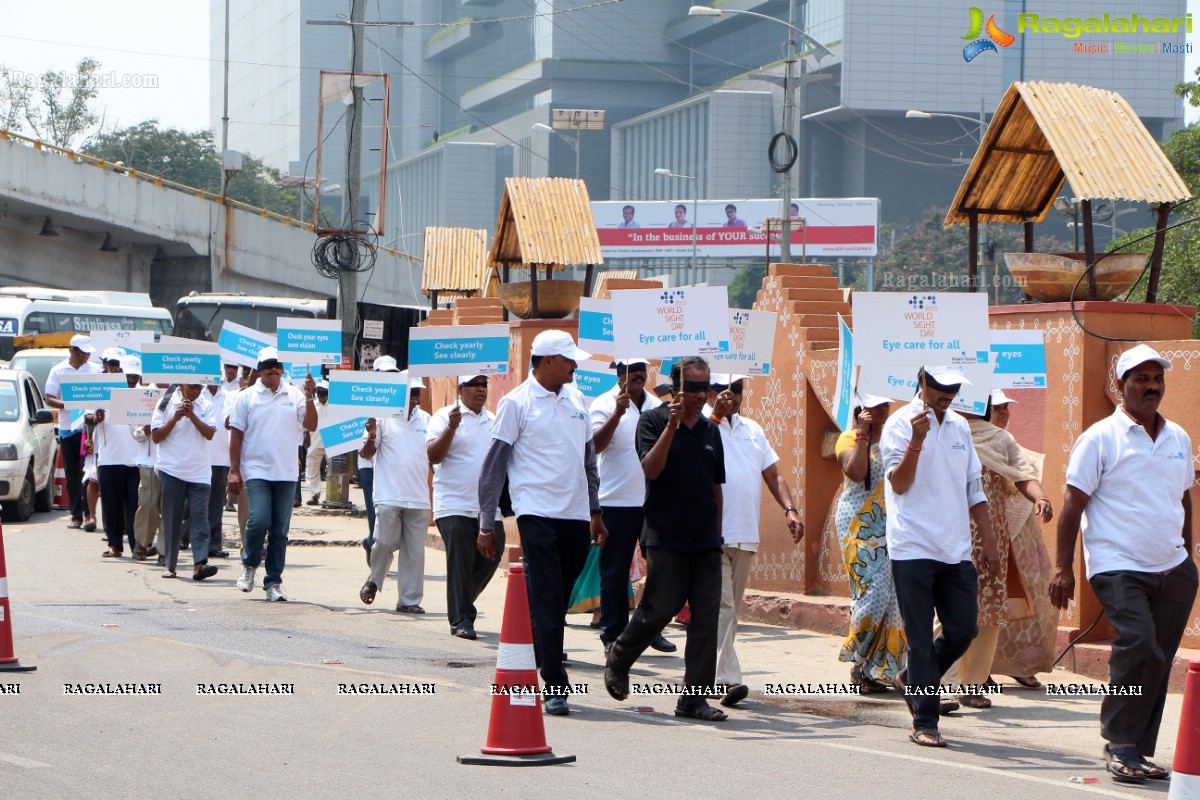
(54,107)
(743,289)
(191,158)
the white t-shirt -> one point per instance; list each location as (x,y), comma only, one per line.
(69,421)
(184,453)
(930,520)
(314,438)
(549,434)
(1134,515)
(272,424)
(456,478)
(747,454)
(218,446)
(401,461)
(622,482)
(115,445)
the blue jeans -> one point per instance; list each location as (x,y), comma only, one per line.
(270,516)
(366,478)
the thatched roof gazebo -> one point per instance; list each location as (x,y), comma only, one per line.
(544,223)
(455,263)
(1044,134)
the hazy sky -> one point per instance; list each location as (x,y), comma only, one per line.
(169,41)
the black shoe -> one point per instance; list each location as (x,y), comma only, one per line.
(735,694)
(607,648)
(185,544)
(219,554)
(663,645)
(464,631)
(556,706)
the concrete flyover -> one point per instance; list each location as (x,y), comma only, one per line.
(71,221)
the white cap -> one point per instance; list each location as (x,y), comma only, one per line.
(413,382)
(322,384)
(999,398)
(468,378)
(557,343)
(726,378)
(113,354)
(131,365)
(267,354)
(947,376)
(83,342)
(1140,355)
(873,400)
(385,364)
(629,362)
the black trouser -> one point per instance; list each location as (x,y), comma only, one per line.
(673,577)
(216,507)
(1149,612)
(624,527)
(119,502)
(73,470)
(555,552)
(925,586)
(467,571)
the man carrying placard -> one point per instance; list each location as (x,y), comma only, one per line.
(934,489)
(457,441)
(401,502)
(266,424)
(542,440)
(182,426)
(76,363)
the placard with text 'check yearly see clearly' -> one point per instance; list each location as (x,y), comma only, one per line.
(450,350)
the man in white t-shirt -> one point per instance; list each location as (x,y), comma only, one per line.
(116,469)
(457,441)
(69,442)
(218,462)
(933,487)
(401,501)
(1128,483)
(614,418)
(182,425)
(266,424)
(542,440)
(316,448)
(749,463)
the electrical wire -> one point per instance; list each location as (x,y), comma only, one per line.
(792,150)
(335,253)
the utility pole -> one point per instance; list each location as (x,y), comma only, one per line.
(789,126)
(347,297)
(225,111)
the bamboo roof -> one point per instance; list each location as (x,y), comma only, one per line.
(545,221)
(455,261)
(1043,134)
(601,287)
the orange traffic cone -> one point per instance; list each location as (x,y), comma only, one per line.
(516,736)
(61,501)
(8,661)
(1185,780)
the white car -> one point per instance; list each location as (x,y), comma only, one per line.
(28,447)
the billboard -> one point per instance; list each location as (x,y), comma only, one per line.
(846,226)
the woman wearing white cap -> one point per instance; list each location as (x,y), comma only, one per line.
(876,645)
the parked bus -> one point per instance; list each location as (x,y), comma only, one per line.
(201,316)
(33,316)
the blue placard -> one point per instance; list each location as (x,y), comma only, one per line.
(595,326)
(380,392)
(160,367)
(237,340)
(309,340)
(1020,359)
(89,391)
(297,373)
(845,382)
(594,382)
(342,436)
(439,352)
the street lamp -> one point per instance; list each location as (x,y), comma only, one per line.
(789,105)
(541,126)
(666,173)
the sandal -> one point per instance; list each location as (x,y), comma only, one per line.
(1123,763)
(367,592)
(167,574)
(89,525)
(866,685)
(705,713)
(1153,771)
(140,554)
(75,524)
(204,571)
(616,685)
(948,706)
(926,737)
(112,552)
(976,701)
(1028,681)
(898,682)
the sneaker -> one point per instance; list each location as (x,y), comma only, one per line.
(556,706)
(246,582)
(275,592)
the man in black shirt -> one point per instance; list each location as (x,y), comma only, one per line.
(684,464)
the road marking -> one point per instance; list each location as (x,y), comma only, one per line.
(18,761)
(1001,773)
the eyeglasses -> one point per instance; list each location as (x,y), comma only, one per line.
(474,385)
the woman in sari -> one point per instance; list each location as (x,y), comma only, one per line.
(1026,646)
(1004,594)
(876,644)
